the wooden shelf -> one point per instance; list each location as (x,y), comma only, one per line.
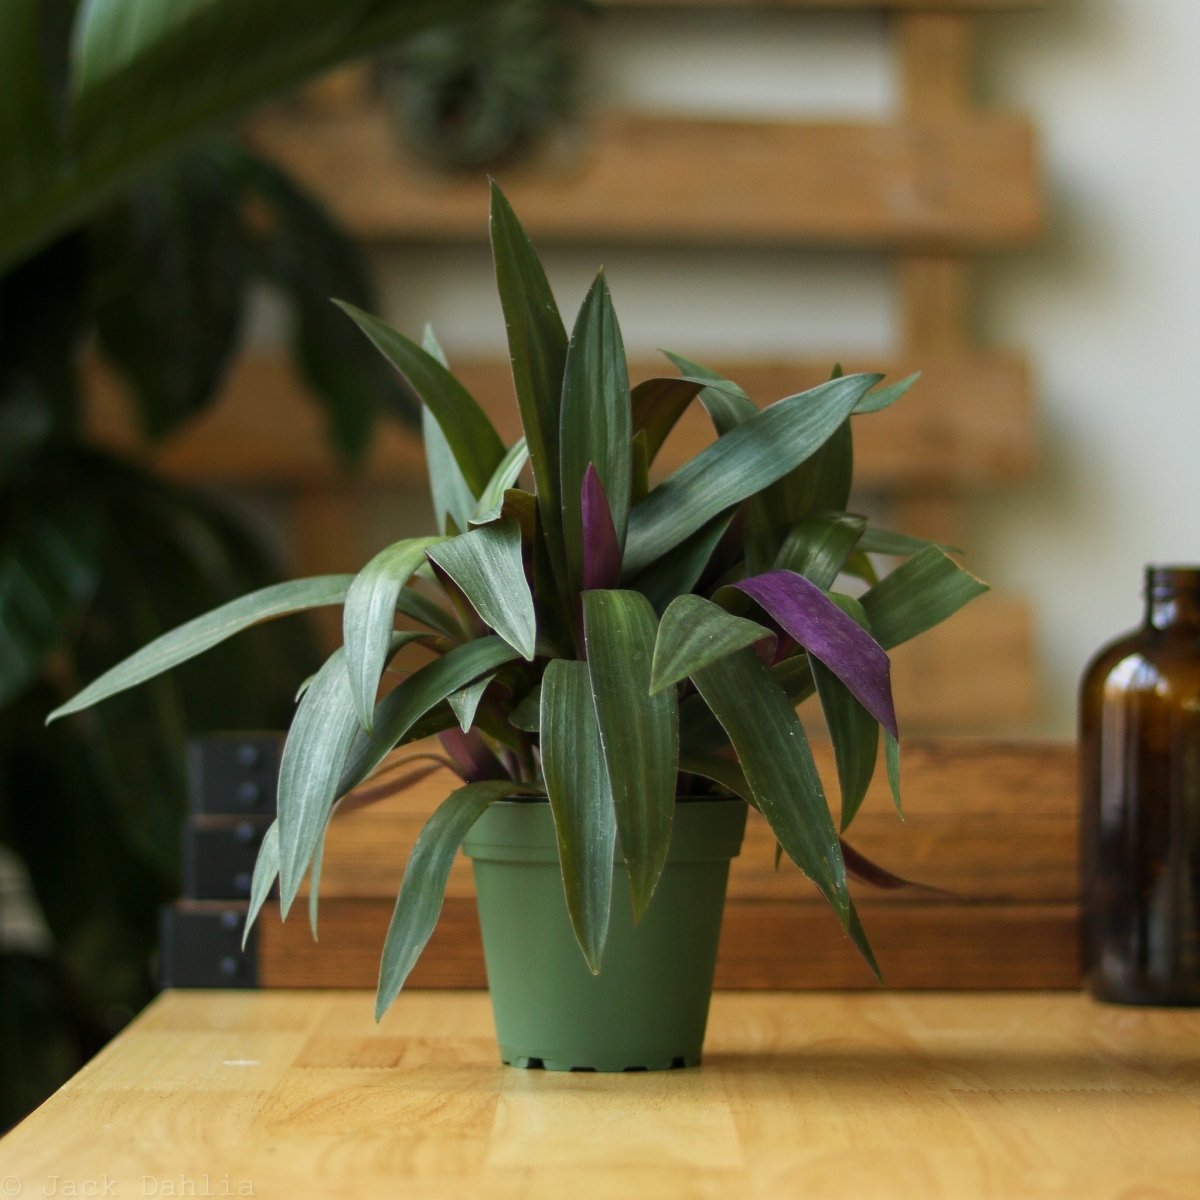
(967,423)
(967,181)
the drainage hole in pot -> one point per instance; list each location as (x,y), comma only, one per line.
(678,1062)
(592,1069)
(628,1069)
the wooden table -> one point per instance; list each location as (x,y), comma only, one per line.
(853,1096)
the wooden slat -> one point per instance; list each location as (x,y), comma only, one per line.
(985,820)
(968,182)
(968,422)
(764,944)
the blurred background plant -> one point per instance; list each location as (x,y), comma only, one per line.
(130,232)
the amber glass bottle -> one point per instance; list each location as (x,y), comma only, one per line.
(1140,780)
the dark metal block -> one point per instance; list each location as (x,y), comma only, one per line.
(234,773)
(219,855)
(201,946)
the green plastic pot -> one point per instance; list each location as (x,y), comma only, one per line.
(648,1007)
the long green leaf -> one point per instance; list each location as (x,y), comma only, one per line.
(731,777)
(537,345)
(465,702)
(778,764)
(421,608)
(29,139)
(147,76)
(885,397)
(639,731)
(491,503)
(695,632)
(266,871)
(477,447)
(679,570)
(738,465)
(884,541)
(487,565)
(818,545)
(581,800)
(318,741)
(424,886)
(595,421)
(726,403)
(918,594)
(370,615)
(206,631)
(399,712)
(448,489)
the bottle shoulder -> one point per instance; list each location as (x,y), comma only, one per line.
(1146,659)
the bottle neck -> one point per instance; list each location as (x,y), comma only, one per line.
(1173,598)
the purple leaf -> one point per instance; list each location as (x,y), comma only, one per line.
(829,635)
(863,869)
(601,553)
(472,755)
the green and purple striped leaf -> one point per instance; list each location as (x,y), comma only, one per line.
(594,423)
(370,615)
(829,635)
(639,732)
(200,634)
(477,447)
(581,800)
(488,565)
(738,465)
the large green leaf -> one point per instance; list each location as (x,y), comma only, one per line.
(370,614)
(884,541)
(581,799)
(206,631)
(738,465)
(818,545)
(679,570)
(266,871)
(487,565)
(451,495)
(476,445)
(726,403)
(918,594)
(730,776)
(778,764)
(50,565)
(398,713)
(885,397)
(491,502)
(424,886)
(318,741)
(147,76)
(29,137)
(639,731)
(594,424)
(537,346)
(695,632)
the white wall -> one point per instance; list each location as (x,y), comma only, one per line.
(1107,308)
(1109,312)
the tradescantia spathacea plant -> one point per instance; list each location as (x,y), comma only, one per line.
(599,640)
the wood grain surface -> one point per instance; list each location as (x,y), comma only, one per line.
(967,423)
(991,825)
(967,182)
(874,1097)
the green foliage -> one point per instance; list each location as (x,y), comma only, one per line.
(589,696)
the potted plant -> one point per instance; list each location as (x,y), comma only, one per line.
(615,674)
